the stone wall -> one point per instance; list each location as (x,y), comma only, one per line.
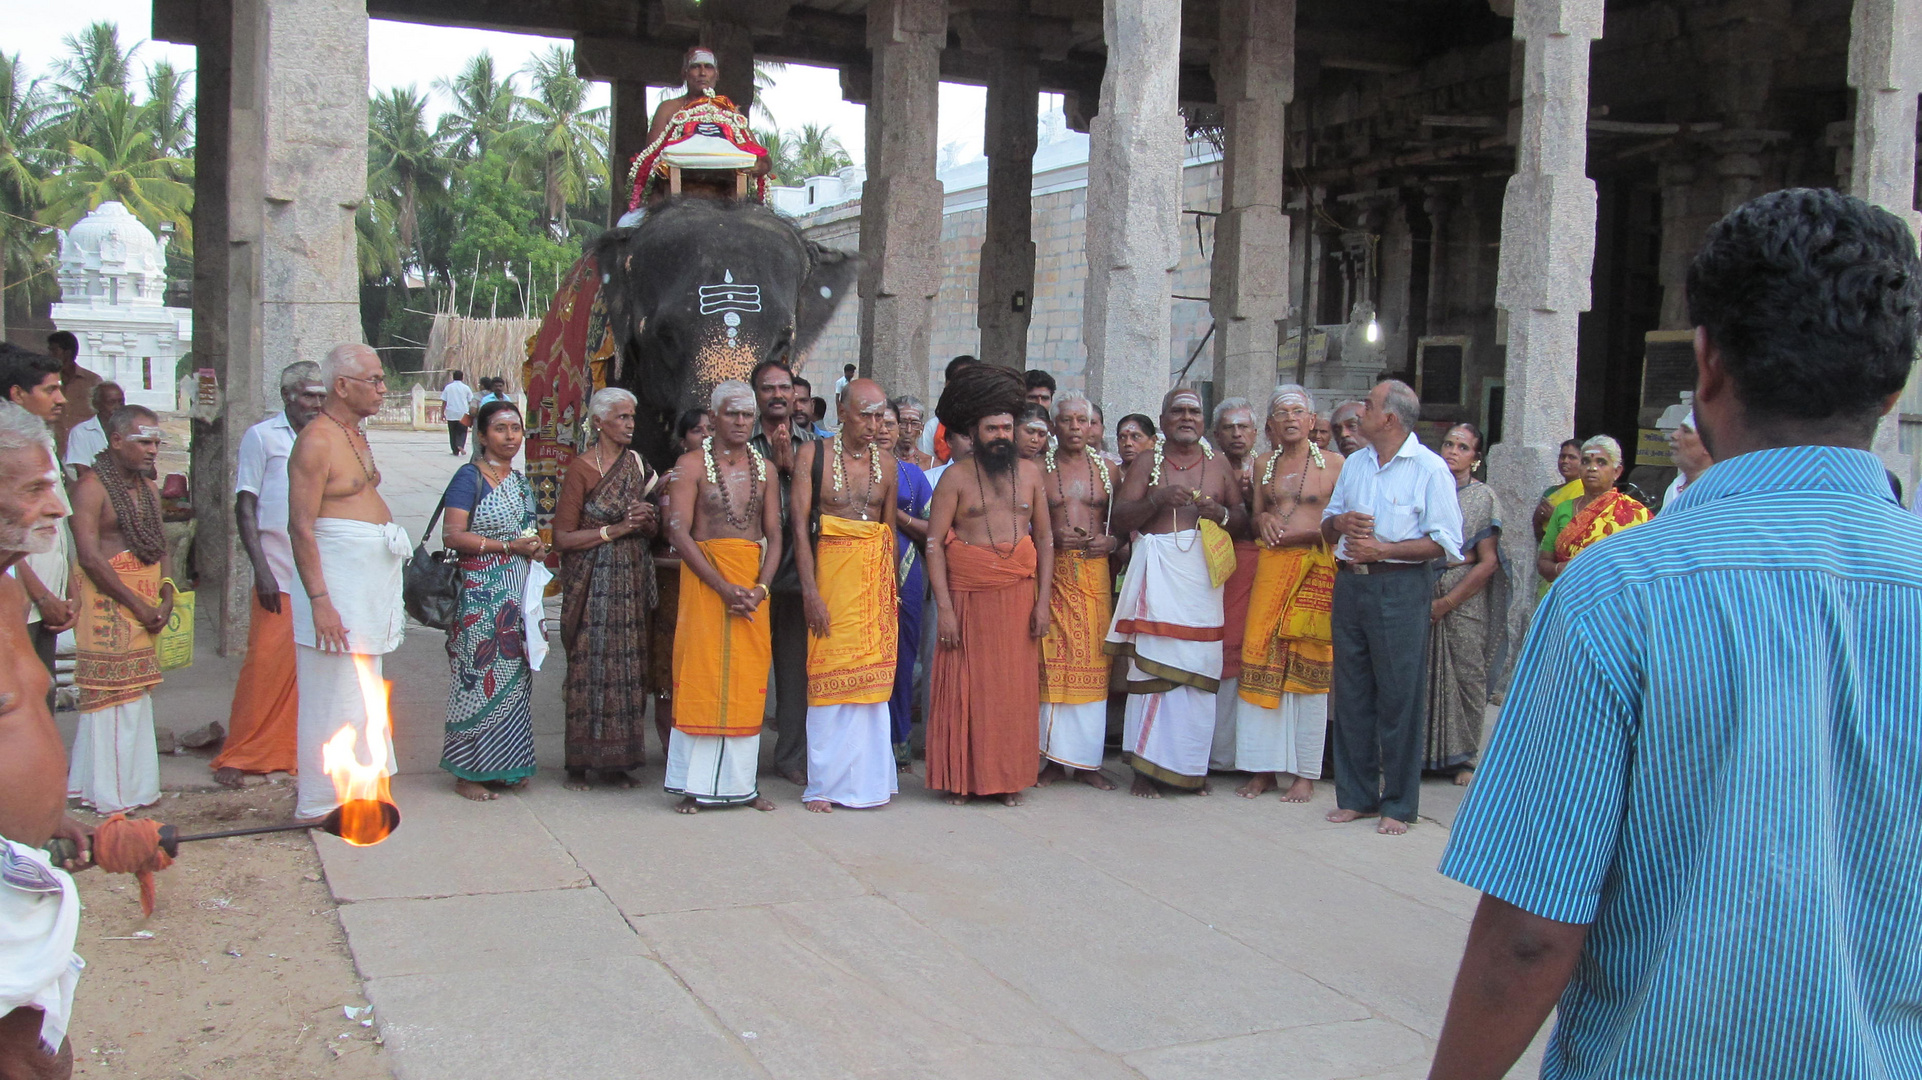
(1060,277)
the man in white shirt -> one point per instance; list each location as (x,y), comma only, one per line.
(455,397)
(264,719)
(1392,513)
(88,438)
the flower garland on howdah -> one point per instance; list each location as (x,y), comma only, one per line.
(698,130)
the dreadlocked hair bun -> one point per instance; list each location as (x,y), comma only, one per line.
(979,390)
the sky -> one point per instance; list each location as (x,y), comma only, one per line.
(401,53)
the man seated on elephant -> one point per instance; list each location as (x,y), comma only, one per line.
(701,73)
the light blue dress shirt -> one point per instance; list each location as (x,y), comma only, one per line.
(1410,497)
(1712,751)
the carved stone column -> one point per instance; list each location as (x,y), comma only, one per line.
(1004,299)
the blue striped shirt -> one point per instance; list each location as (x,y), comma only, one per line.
(1712,752)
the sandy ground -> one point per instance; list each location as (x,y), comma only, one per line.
(246,973)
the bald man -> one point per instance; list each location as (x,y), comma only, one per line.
(348,553)
(843,515)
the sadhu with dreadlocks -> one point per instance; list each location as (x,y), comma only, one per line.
(125,598)
(991,588)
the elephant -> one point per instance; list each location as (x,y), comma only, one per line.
(699,292)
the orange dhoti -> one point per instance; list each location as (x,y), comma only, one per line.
(1287,660)
(1074,668)
(851,670)
(720,682)
(262,725)
(985,694)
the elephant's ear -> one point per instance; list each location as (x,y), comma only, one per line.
(829,281)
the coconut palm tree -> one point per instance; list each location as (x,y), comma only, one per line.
(170,110)
(484,107)
(94,62)
(567,140)
(404,162)
(24,128)
(817,152)
(118,162)
(377,241)
(784,166)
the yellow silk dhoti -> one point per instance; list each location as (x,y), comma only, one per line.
(851,670)
(1287,661)
(1074,667)
(720,682)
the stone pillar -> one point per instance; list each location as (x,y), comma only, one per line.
(1885,68)
(1547,255)
(1249,292)
(1395,262)
(1436,203)
(1681,237)
(1006,293)
(291,141)
(901,200)
(1135,148)
(628,120)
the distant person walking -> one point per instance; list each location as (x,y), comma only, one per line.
(455,399)
(1690,827)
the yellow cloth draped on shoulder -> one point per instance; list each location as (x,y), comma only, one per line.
(1074,669)
(1294,590)
(854,569)
(721,660)
(115,661)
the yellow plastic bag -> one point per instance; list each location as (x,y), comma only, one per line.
(175,643)
(1220,550)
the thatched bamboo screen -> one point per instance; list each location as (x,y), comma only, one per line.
(480,347)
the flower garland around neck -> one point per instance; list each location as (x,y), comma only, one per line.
(1096,466)
(839,450)
(1314,455)
(714,475)
(1161,442)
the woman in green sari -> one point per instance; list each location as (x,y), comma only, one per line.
(489,741)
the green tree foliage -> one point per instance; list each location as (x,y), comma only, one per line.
(505,262)
(405,164)
(482,108)
(565,141)
(113,156)
(25,248)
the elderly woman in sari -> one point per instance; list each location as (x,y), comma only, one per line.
(913,493)
(1471,598)
(1599,511)
(608,595)
(489,741)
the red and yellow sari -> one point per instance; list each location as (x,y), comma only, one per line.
(1610,513)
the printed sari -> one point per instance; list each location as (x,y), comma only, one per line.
(608,599)
(1610,513)
(490,719)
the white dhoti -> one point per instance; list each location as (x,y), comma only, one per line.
(714,770)
(39,919)
(1074,735)
(115,765)
(1168,622)
(851,755)
(361,562)
(1283,740)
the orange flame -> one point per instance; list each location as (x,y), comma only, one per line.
(362,788)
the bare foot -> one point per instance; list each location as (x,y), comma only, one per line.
(797,777)
(1144,788)
(762,803)
(473,789)
(818,806)
(1391,826)
(1050,772)
(1092,778)
(1301,790)
(1257,786)
(1205,789)
(1343,817)
(617,778)
(687,806)
(516,785)
(1012,798)
(1463,778)
(955,798)
(230,777)
(576,780)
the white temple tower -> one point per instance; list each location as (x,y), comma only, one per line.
(113,276)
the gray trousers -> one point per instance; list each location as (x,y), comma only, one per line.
(788,626)
(1381,699)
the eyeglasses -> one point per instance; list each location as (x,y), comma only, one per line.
(378,380)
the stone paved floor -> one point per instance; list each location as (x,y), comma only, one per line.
(1086,934)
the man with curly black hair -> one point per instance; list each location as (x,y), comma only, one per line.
(1689,828)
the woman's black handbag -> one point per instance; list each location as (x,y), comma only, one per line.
(430,584)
